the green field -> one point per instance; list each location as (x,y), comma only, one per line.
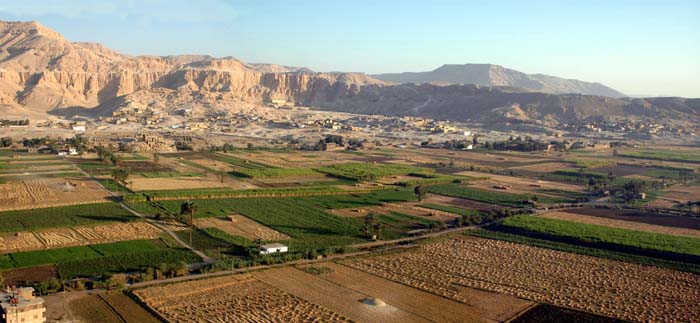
(688,156)
(64,216)
(231,193)
(366,171)
(95,260)
(397,225)
(501,198)
(303,218)
(605,235)
(275,172)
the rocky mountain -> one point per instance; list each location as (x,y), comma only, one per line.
(494,75)
(42,73)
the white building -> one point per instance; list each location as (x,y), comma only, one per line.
(18,305)
(79,128)
(271,248)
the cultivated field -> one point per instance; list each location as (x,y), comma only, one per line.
(76,236)
(37,192)
(625,224)
(239,225)
(343,289)
(520,185)
(679,194)
(623,290)
(641,217)
(240,298)
(172,183)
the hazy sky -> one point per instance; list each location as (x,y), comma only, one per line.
(637,47)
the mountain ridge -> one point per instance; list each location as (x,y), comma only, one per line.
(42,74)
(496,75)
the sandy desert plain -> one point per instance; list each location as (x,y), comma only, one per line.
(464,236)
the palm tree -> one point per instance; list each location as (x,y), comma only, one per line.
(187,208)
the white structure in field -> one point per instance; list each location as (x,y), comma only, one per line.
(271,248)
(18,305)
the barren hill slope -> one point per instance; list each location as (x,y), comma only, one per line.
(42,73)
(495,75)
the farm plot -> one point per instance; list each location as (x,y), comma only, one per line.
(64,216)
(173,183)
(343,289)
(50,192)
(488,196)
(240,298)
(617,289)
(239,225)
(409,208)
(679,194)
(641,217)
(543,167)
(624,224)
(76,236)
(521,185)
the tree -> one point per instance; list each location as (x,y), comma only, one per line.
(156,158)
(187,208)
(372,227)
(250,146)
(420,192)
(120,175)
(115,159)
(221,174)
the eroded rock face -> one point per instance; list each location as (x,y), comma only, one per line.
(41,70)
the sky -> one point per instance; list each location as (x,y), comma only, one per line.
(637,47)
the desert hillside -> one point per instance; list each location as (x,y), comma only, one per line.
(494,75)
(42,73)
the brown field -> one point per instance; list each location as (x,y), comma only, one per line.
(23,276)
(77,236)
(242,226)
(37,192)
(631,225)
(410,208)
(641,217)
(343,289)
(544,167)
(676,195)
(520,185)
(172,183)
(617,289)
(127,308)
(90,308)
(239,298)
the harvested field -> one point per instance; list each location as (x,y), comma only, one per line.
(679,194)
(49,192)
(625,224)
(342,290)
(612,288)
(239,298)
(172,183)
(641,216)
(409,208)
(543,167)
(239,225)
(520,185)
(76,236)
